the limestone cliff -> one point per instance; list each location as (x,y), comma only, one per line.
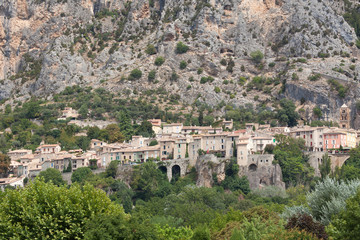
(47,45)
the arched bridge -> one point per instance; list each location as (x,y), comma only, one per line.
(174,168)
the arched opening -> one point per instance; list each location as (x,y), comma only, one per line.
(175,172)
(252,167)
(163,169)
(264,182)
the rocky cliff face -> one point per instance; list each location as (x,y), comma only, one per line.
(47,45)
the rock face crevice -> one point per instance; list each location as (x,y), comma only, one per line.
(98,42)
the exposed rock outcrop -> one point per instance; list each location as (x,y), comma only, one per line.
(48,45)
(207,167)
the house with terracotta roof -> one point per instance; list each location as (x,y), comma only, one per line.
(172,128)
(17,154)
(68,112)
(156,126)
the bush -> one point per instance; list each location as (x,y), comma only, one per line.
(204,80)
(159,61)
(183,65)
(152,75)
(223,62)
(135,74)
(317,112)
(257,56)
(200,71)
(174,76)
(217,89)
(338,87)
(329,198)
(314,77)
(60,212)
(181,48)
(80,174)
(306,222)
(272,64)
(150,49)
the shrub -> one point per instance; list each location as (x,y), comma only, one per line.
(135,74)
(159,61)
(183,65)
(314,77)
(188,87)
(306,222)
(174,76)
(242,81)
(150,49)
(329,197)
(257,56)
(272,64)
(230,66)
(217,89)
(151,76)
(181,48)
(317,112)
(223,62)
(200,71)
(338,87)
(295,77)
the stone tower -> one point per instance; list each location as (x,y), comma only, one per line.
(344,116)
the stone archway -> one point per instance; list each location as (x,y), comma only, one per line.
(252,168)
(163,169)
(175,172)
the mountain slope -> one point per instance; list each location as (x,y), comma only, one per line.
(50,44)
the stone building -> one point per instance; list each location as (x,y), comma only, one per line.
(344,117)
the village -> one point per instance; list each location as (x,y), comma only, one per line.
(175,141)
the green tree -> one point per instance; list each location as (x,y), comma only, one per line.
(257,56)
(122,194)
(53,175)
(159,61)
(317,112)
(181,48)
(81,174)
(114,132)
(68,168)
(83,111)
(135,74)
(111,170)
(325,166)
(4,164)
(145,129)
(150,49)
(153,143)
(289,154)
(152,75)
(125,125)
(287,113)
(183,65)
(346,224)
(148,181)
(52,212)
